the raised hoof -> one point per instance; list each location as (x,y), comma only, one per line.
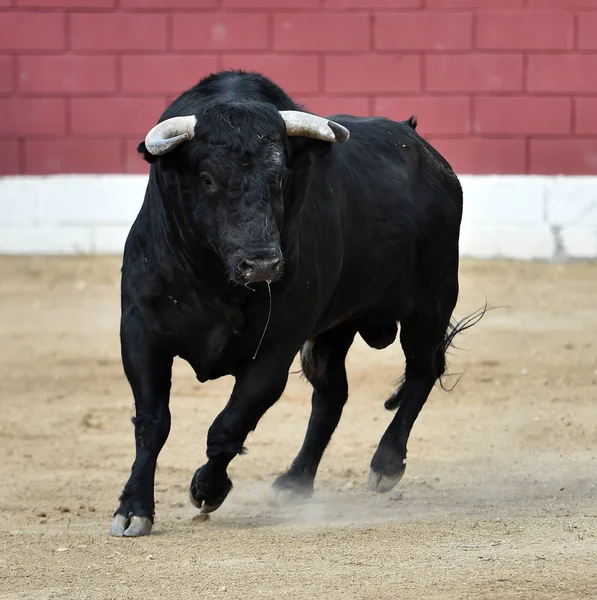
(383,483)
(134,527)
(206,492)
(202,505)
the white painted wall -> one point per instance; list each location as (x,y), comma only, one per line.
(509,216)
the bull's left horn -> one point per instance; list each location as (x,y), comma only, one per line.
(168,134)
(318,128)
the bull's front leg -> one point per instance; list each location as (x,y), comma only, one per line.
(148,369)
(258,386)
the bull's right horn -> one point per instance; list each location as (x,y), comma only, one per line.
(168,134)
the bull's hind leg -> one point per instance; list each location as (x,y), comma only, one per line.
(149,373)
(423,339)
(323,365)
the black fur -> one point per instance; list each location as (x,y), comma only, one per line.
(368,232)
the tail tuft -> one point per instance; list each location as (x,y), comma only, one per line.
(454,328)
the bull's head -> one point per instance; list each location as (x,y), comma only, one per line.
(232,164)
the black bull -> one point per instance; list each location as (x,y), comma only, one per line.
(348,234)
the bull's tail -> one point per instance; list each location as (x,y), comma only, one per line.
(454,328)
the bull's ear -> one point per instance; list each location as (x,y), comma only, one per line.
(147,156)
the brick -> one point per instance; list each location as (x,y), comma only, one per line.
(32,31)
(579,242)
(435,114)
(164,74)
(473,72)
(561,4)
(115,116)
(483,155)
(109,240)
(9,157)
(113,200)
(326,31)
(277,4)
(423,31)
(562,73)
(118,31)
(220,31)
(295,73)
(133,161)
(503,201)
(32,116)
(343,4)
(503,4)
(86,4)
(564,156)
(46,157)
(22,212)
(524,31)
(528,115)
(168,4)
(67,74)
(334,105)
(585,116)
(587,31)
(373,73)
(45,240)
(570,201)
(6,74)
(518,242)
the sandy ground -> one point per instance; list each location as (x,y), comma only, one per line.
(499,497)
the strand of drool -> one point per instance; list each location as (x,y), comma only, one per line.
(269,314)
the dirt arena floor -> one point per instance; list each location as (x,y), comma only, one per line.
(499,499)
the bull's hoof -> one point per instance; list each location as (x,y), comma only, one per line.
(202,505)
(206,493)
(387,468)
(300,486)
(130,526)
(383,483)
(291,489)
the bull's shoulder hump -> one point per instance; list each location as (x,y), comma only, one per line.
(377,126)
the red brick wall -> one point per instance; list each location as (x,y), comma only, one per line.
(500,86)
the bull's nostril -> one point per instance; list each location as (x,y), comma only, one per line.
(246,266)
(259,269)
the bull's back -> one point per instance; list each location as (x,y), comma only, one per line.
(395,198)
(397,183)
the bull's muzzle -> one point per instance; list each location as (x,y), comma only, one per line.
(262,269)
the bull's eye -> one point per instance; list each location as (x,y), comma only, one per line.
(206,182)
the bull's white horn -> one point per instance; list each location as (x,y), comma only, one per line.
(318,128)
(168,134)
